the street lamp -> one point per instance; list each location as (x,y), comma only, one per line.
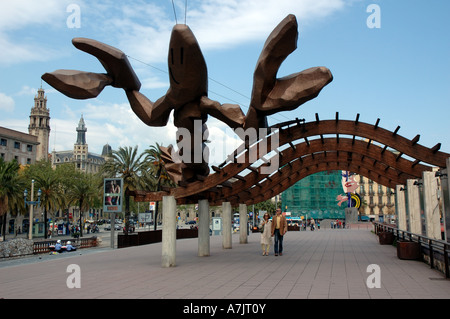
(31,203)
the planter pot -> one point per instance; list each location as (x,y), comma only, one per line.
(386,238)
(408,250)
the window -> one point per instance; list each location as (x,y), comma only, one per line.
(17,145)
(28,161)
(3,142)
(29,148)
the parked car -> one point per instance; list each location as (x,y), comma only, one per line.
(116,227)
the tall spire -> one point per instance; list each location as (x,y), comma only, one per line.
(81,132)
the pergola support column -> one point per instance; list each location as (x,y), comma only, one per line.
(401,207)
(413,195)
(226,222)
(169,232)
(445,186)
(203,228)
(431,205)
(243,224)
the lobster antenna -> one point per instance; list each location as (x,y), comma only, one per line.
(185,11)
(174,12)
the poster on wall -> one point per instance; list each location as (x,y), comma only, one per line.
(112,195)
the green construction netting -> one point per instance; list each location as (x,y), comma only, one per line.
(315,196)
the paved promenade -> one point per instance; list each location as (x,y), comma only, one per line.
(325,264)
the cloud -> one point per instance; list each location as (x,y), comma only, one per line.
(219,24)
(42,16)
(154,83)
(6,103)
(144,34)
(21,13)
(112,123)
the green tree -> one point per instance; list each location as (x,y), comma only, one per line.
(157,172)
(66,174)
(84,190)
(48,181)
(10,188)
(127,164)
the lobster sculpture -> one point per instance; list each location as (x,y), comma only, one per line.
(187,95)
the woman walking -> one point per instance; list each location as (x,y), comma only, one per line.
(266,232)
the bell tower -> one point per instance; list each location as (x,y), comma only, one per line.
(40,124)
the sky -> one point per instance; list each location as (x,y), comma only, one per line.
(390,61)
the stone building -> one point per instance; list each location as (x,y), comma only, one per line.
(84,160)
(378,201)
(17,145)
(31,147)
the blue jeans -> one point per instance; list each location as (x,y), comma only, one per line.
(278,241)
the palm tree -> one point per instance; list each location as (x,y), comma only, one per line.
(125,163)
(9,188)
(158,172)
(49,183)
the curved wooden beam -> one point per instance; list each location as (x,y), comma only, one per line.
(307,165)
(355,153)
(309,157)
(371,132)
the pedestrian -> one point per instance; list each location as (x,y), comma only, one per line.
(312,223)
(58,246)
(318,225)
(69,246)
(266,231)
(279,228)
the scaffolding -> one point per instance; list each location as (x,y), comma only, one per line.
(315,196)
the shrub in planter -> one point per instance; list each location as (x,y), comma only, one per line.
(386,238)
(408,250)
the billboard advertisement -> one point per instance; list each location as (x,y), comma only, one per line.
(113,195)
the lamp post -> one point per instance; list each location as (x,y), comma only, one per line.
(31,203)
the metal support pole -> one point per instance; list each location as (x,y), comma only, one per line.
(30,231)
(113,228)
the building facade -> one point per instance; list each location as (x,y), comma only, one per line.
(378,201)
(15,145)
(84,160)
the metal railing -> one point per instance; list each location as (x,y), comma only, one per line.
(436,250)
(40,247)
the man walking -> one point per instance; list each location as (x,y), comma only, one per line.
(279,228)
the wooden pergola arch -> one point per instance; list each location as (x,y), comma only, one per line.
(304,149)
